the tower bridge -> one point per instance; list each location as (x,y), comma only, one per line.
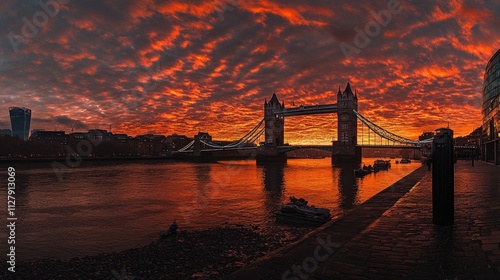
(345,150)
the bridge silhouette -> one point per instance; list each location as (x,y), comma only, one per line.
(345,150)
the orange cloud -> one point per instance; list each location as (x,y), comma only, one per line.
(179,67)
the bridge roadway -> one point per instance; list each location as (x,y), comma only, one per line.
(288,148)
(391,146)
(307,110)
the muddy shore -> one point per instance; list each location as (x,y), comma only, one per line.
(204,254)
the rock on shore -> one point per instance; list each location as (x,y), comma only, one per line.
(205,254)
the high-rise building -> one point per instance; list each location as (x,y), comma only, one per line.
(20,121)
(490,147)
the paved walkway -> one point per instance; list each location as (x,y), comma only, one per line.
(391,236)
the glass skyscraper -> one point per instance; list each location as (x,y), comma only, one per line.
(490,148)
(20,121)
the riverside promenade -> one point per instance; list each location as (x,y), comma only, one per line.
(391,236)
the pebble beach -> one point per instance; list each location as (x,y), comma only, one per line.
(203,254)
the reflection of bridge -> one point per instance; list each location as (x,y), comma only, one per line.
(346,149)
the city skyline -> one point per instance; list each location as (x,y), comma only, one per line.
(182,68)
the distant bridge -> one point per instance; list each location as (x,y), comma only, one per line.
(347,146)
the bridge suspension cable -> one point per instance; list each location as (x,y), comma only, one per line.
(249,137)
(387,134)
(186,147)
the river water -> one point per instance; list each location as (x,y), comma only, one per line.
(103,207)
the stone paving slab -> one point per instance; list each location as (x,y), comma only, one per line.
(391,236)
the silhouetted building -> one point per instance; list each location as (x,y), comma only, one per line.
(426,148)
(120,138)
(471,140)
(98,135)
(74,139)
(6,132)
(20,121)
(77,136)
(121,145)
(425,136)
(151,144)
(490,148)
(175,142)
(468,146)
(55,142)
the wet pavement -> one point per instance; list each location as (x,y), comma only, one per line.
(391,236)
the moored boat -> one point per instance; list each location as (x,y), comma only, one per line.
(299,213)
(381,164)
(360,172)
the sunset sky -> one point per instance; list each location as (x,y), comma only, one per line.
(167,67)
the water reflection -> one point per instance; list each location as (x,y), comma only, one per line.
(109,207)
(348,187)
(202,173)
(273,178)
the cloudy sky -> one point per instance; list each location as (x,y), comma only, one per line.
(183,66)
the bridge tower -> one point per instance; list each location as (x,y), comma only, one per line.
(275,124)
(274,132)
(345,149)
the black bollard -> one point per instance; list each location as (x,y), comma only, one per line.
(442,177)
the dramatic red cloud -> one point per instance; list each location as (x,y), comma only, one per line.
(187,66)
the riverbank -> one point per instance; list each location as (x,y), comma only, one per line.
(72,160)
(391,236)
(205,254)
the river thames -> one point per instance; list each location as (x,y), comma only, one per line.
(102,207)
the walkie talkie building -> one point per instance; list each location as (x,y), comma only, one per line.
(20,121)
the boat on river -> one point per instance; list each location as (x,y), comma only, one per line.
(381,164)
(365,170)
(297,212)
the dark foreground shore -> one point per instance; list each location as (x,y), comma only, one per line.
(206,254)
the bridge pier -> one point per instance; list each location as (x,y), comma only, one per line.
(200,156)
(270,154)
(346,154)
(196,147)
